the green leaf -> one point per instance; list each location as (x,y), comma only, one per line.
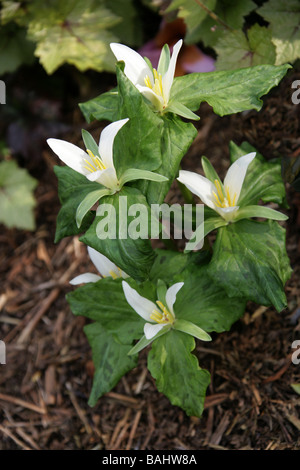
(228,91)
(177,372)
(250,260)
(15,48)
(88,202)
(193,16)
(74,32)
(259,211)
(296,388)
(111,360)
(134,256)
(89,142)
(103,107)
(72,189)
(105,303)
(175,139)
(144,342)
(263,179)
(181,110)
(161,291)
(236,49)
(191,329)
(129,27)
(209,170)
(164,60)
(17,199)
(139,146)
(284,19)
(134,174)
(231,12)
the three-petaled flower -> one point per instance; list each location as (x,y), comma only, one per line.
(99,168)
(160,317)
(221,197)
(104,266)
(154,84)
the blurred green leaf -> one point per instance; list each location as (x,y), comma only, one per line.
(235,49)
(74,32)
(284,19)
(15,48)
(17,200)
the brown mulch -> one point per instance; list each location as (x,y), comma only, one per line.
(45,384)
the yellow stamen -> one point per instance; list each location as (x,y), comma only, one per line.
(97,162)
(157,87)
(162,317)
(113,274)
(219,190)
(222,200)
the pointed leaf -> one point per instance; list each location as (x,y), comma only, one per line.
(88,202)
(111,360)
(259,211)
(191,329)
(177,372)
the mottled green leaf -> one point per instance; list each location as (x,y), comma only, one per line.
(250,260)
(110,358)
(228,91)
(177,372)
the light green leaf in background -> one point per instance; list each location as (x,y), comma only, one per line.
(235,49)
(231,12)
(17,199)
(15,48)
(193,15)
(177,372)
(284,19)
(76,32)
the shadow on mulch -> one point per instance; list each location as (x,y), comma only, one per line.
(45,384)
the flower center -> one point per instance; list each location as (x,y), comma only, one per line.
(114,274)
(157,87)
(221,199)
(94,164)
(162,316)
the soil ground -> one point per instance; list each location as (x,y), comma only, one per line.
(44,386)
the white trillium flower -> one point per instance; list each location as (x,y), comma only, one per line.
(154,84)
(104,266)
(223,198)
(99,168)
(156,315)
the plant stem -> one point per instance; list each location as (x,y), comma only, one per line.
(213,15)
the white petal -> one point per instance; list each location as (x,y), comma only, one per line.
(169,76)
(136,68)
(151,329)
(236,175)
(199,185)
(151,96)
(70,154)
(106,177)
(102,263)
(144,307)
(106,141)
(171,295)
(84,278)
